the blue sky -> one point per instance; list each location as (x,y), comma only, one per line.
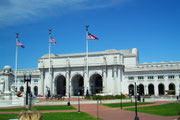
(151,26)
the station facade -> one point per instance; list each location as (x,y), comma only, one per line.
(111,71)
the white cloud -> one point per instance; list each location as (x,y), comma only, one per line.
(19,11)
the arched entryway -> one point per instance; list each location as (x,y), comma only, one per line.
(60,85)
(141,89)
(35,90)
(78,85)
(151,89)
(22,89)
(96,84)
(161,89)
(172,87)
(131,89)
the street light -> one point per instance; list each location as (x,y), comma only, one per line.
(97,107)
(121,100)
(78,102)
(136,116)
(69,104)
(27,80)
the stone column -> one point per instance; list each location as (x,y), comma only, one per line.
(104,79)
(67,83)
(41,86)
(86,78)
(115,75)
(105,74)
(115,79)
(177,85)
(156,89)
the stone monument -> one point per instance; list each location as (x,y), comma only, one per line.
(6,81)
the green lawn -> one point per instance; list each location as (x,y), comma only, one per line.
(170,109)
(114,105)
(56,116)
(42,108)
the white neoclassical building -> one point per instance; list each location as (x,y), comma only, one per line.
(114,71)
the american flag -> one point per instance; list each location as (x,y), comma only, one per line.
(92,37)
(52,40)
(20,44)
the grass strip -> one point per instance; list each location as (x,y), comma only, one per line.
(41,108)
(170,109)
(128,104)
(56,116)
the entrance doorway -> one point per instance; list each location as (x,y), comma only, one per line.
(60,85)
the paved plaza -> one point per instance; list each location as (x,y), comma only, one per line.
(105,113)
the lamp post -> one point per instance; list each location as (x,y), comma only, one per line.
(69,104)
(121,100)
(97,107)
(78,102)
(27,80)
(136,116)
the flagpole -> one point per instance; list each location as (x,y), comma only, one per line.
(50,57)
(87,50)
(16,61)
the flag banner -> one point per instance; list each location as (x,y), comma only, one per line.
(92,37)
(20,44)
(52,40)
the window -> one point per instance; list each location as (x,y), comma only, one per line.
(140,77)
(36,80)
(150,77)
(130,78)
(170,76)
(21,81)
(160,77)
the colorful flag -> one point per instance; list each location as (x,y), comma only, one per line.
(52,40)
(20,44)
(92,37)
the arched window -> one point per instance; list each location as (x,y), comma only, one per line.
(151,89)
(35,90)
(172,87)
(161,89)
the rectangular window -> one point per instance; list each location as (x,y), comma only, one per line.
(170,76)
(150,77)
(22,81)
(130,78)
(160,77)
(36,80)
(140,77)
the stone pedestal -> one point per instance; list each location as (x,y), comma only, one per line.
(7,96)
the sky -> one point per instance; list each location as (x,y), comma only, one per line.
(151,26)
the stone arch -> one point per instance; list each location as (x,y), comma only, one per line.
(77,83)
(141,89)
(35,90)
(60,85)
(172,87)
(151,89)
(93,73)
(131,89)
(161,89)
(21,89)
(96,83)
